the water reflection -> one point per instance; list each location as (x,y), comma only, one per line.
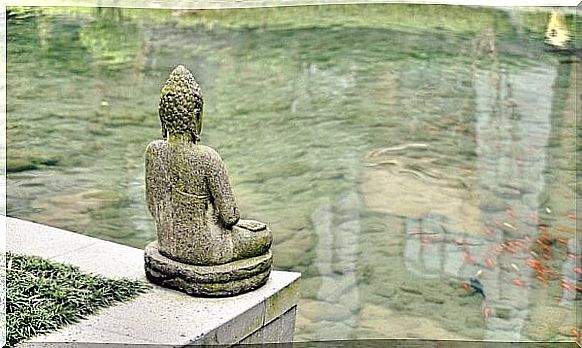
(513,128)
(557,33)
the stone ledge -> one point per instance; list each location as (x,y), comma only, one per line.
(160,316)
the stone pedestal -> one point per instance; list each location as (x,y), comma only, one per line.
(218,280)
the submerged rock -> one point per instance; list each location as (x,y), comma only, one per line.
(20,161)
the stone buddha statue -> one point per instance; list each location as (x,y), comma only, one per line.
(202,247)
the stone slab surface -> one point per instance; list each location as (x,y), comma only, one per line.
(30,238)
(160,316)
(97,258)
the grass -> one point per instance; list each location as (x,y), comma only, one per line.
(42,296)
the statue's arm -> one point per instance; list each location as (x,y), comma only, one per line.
(221,191)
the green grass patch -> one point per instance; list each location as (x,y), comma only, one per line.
(42,296)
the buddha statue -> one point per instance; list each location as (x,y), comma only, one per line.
(202,247)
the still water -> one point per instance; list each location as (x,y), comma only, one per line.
(396,151)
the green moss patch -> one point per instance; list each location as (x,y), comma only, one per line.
(42,296)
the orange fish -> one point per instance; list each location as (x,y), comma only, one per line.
(572,216)
(468,258)
(488,231)
(563,229)
(533,263)
(497,250)
(510,213)
(509,247)
(489,262)
(487,312)
(566,285)
(466,286)
(517,282)
(578,270)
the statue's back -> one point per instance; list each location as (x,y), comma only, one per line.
(180,201)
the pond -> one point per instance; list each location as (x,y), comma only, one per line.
(404,156)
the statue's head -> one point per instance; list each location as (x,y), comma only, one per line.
(181,104)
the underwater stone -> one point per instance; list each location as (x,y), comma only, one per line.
(202,247)
(20,161)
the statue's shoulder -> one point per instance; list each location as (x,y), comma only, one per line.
(207,151)
(156,146)
(207,154)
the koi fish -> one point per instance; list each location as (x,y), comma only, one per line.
(487,312)
(521,244)
(497,250)
(563,229)
(509,247)
(477,286)
(488,231)
(517,282)
(489,262)
(535,264)
(566,285)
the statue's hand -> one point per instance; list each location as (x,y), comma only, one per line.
(252,225)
